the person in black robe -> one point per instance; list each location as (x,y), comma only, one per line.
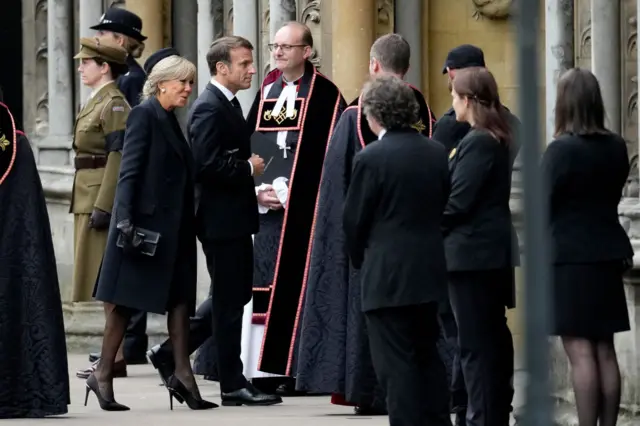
(292,138)
(334,348)
(34,377)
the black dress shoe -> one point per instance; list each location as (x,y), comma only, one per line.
(249,395)
(94,356)
(165,369)
(289,389)
(369,410)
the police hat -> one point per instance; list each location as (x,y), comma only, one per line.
(121,21)
(7,142)
(464,56)
(103,48)
(158,56)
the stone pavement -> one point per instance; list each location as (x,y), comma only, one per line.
(149,404)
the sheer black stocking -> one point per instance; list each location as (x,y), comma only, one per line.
(610,383)
(178,326)
(116,319)
(596,380)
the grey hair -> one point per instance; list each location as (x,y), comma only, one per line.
(393,52)
(391,102)
(170,68)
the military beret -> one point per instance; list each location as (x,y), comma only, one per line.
(157,56)
(103,48)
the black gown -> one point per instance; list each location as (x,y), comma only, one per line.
(334,352)
(34,377)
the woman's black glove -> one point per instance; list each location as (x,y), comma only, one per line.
(99,219)
(131,241)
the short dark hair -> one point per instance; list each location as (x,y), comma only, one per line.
(307,37)
(478,85)
(579,105)
(393,52)
(391,102)
(220,50)
(116,69)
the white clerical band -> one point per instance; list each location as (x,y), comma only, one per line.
(288,94)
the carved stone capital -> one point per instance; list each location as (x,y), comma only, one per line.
(492,9)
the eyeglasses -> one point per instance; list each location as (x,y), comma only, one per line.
(284,47)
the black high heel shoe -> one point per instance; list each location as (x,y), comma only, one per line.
(179,391)
(106,405)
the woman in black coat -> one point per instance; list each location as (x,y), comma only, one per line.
(480,245)
(150,260)
(586,168)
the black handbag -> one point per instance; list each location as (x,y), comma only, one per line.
(144,242)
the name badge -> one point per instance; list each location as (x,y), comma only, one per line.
(269,122)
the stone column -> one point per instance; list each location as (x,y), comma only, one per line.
(353,33)
(90,13)
(150,11)
(408,23)
(185,38)
(559,52)
(280,12)
(245,24)
(59,68)
(605,57)
(205,37)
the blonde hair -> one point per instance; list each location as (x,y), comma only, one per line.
(171,68)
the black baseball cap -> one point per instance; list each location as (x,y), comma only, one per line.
(121,21)
(464,56)
(157,57)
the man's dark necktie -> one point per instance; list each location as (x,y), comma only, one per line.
(236,104)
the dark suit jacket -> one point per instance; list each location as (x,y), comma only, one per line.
(449,132)
(154,192)
(477,220)
(392,219)
(132,82)
(221,144)
(586,175)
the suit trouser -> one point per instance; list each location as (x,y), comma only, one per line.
(478,299)
(230,264)
(408,365)
(135,339)
(457,388)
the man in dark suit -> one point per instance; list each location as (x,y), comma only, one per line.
(226,217)
(392,218)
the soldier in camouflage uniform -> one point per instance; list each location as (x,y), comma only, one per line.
(97,143)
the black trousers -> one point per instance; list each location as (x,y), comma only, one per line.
(457,387)
(479,300)
(136,341)
(408,365)
(230,264)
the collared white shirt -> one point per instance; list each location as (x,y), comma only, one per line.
(381,134)
(229,95)
(223,89)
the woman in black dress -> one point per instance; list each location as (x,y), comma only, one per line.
(154,196)
(587,167)
(480,245)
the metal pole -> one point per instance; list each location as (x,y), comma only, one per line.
(538,409)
